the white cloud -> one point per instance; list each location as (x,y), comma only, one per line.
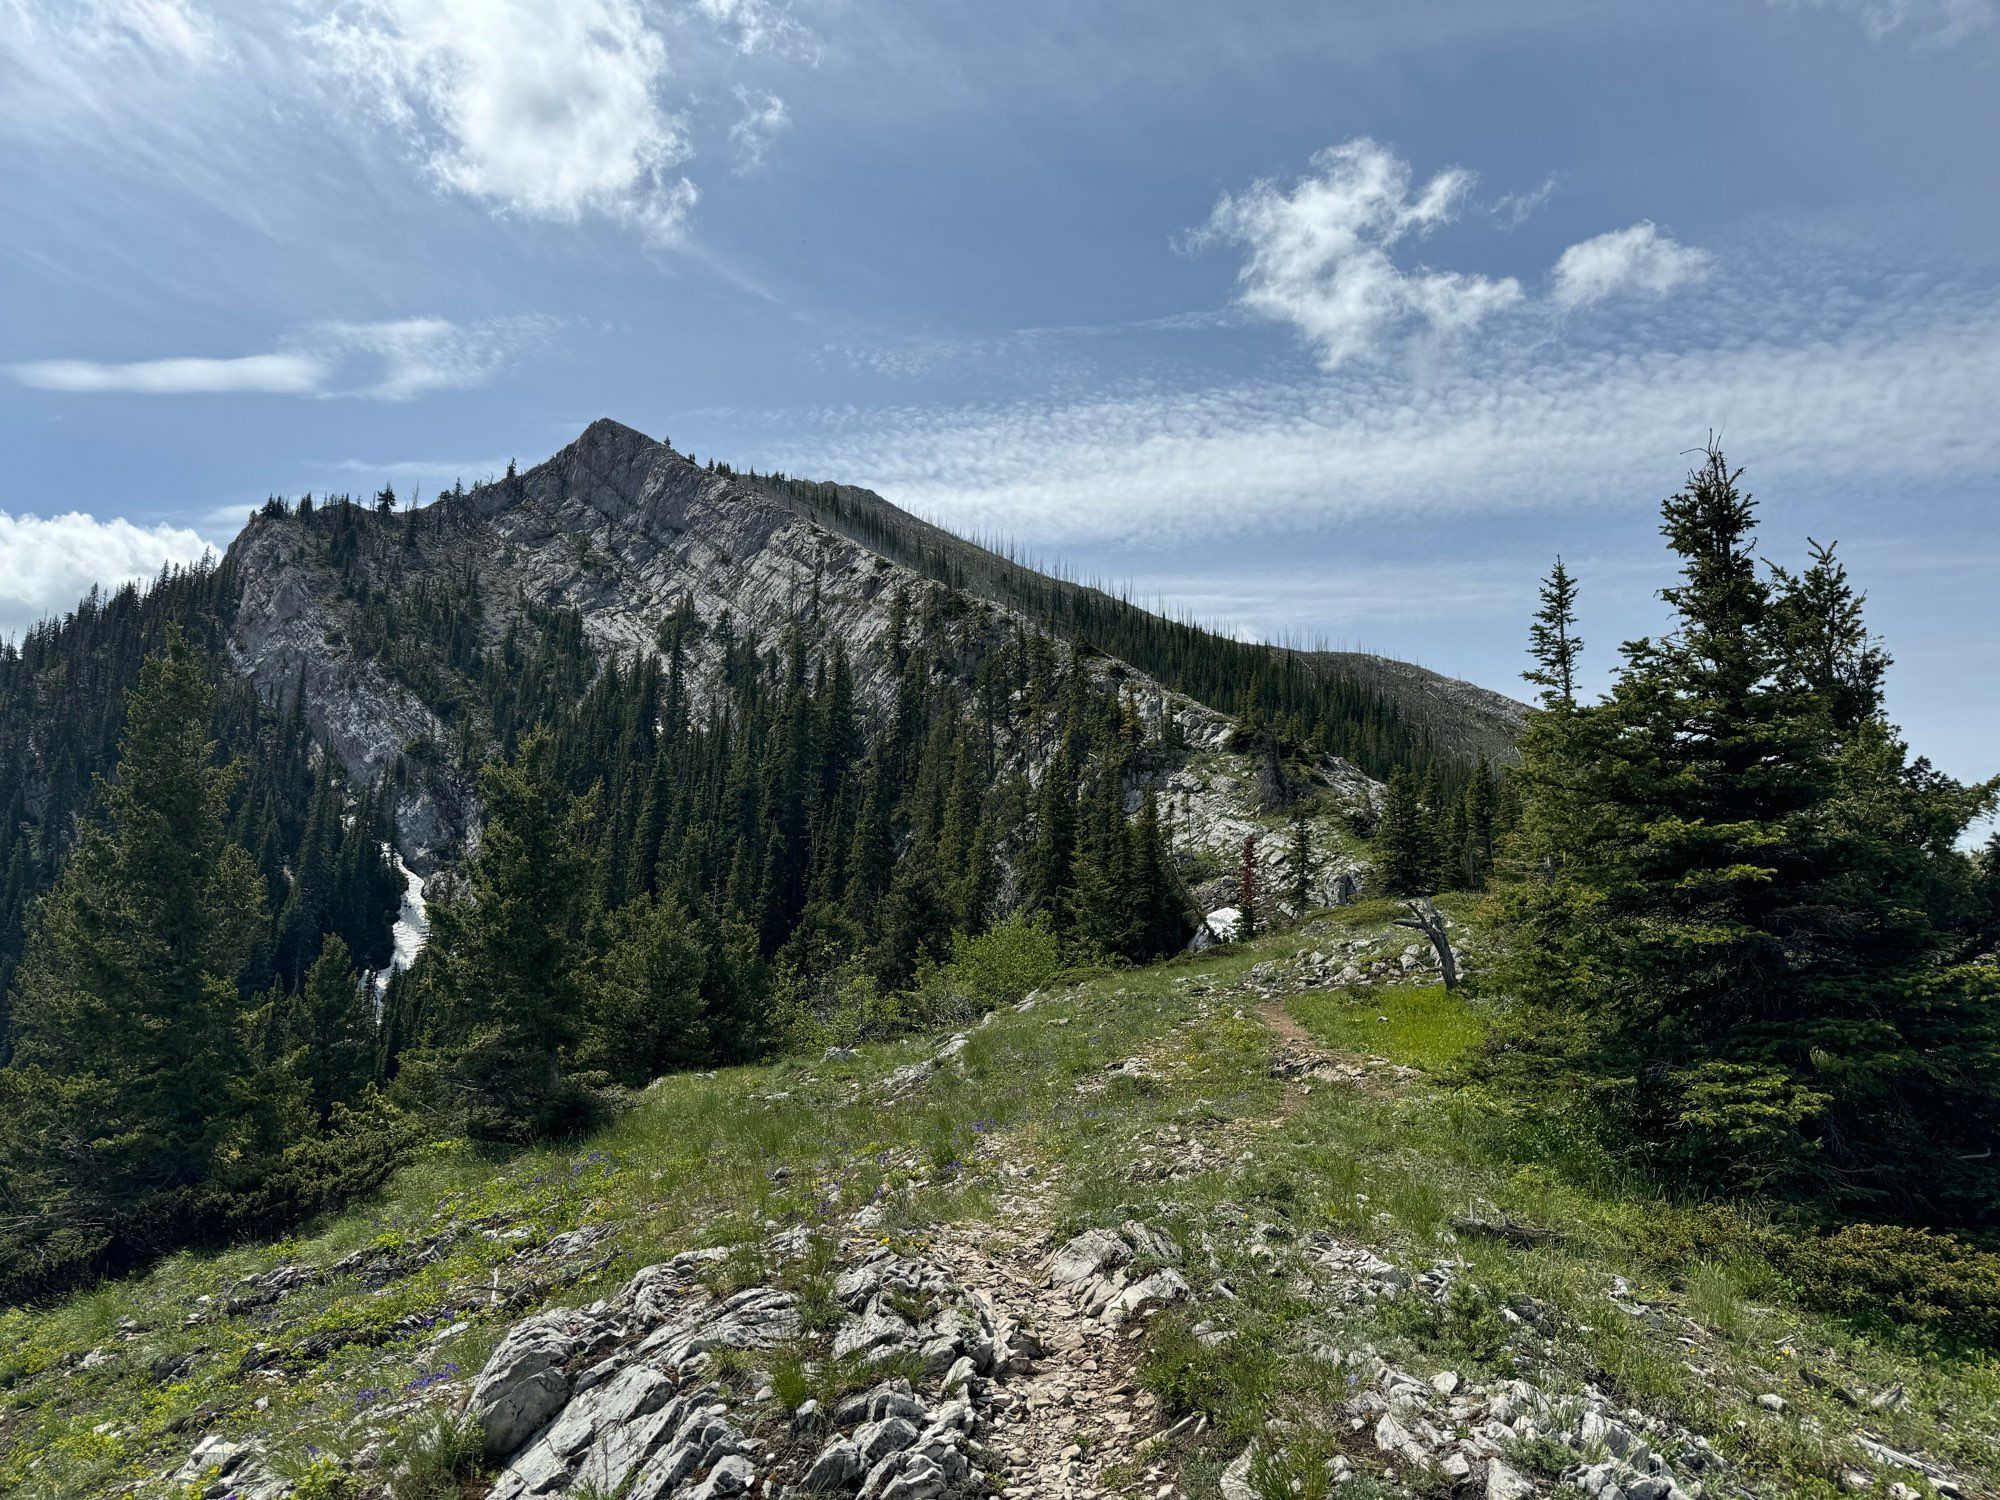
(411,357)
(1317,256)
(1515,209)
(753,23)
(387,361)
(167,26)
(1904,397)
(1636,259)
(550,109)
(1923,23)
(172,30)
(48,562)
(64,61)
(764,119)
(268,374)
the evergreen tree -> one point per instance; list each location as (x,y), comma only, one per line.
(131,1089)
(508,958)
(330,1032)
(1406,855)
(1300,862)
(1249,902)
(1984,904)
(1553,641)
(1482,818)
(1159,922)
(644,999)
(1741,956)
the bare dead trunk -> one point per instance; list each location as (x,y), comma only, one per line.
(1422,916)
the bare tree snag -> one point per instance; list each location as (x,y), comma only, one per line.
(1423,917)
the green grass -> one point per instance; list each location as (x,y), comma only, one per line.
(716,1160)
(1419,1026)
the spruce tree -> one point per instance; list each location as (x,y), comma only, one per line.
(1249,898)
(1736,945)
(131,1091)
(1406,854)
(643,997)
(329,1032)
(1300,862)
(508,957)
(1159,903)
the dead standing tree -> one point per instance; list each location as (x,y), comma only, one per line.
(1421,916)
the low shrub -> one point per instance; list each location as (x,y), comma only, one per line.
(1885,1273)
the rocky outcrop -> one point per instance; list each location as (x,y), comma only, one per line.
(630,534)
(661,1390)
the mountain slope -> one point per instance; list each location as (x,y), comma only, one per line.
(625,533)
(1461,718)
(1210,1228)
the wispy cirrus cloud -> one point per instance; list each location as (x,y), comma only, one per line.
(1921,23)
(1903,393)
(396,360)
(764,119)
(48,562)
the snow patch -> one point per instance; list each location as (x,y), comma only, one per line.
(413,924)
(1221,924)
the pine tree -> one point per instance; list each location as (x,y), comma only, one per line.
(1249,921)
(1984,901)
(1553,641)
(643,997)
(1300,863)
(1158,923)
(131,1089)
(1482,812)
(508,958)
(329,1032)
(1406,855)
(1740,958)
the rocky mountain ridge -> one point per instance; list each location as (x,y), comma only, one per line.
(626,532)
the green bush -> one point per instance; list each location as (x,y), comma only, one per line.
(1878,1273)
(1232,1383)
(999,967)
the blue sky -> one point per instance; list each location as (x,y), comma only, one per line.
(1317,319)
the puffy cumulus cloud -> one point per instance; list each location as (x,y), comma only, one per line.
(764,119)
(1904,396)
(396,360)
(1922,23)
(1318,255)
(1640,259)
(551,109)
(48,562)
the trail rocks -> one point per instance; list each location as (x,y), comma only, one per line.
(1439,1424)
(661,1390)
(1093,1270)
(218,1467)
